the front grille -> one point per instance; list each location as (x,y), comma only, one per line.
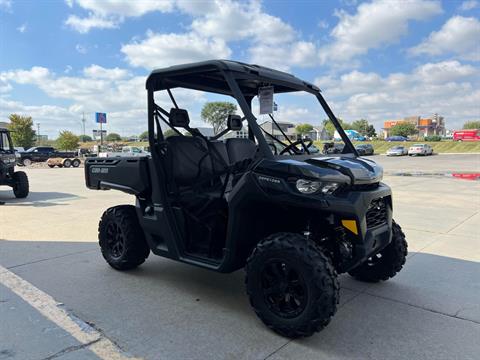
(376,213)
(364,187)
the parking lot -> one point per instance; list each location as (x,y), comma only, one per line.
(167,310)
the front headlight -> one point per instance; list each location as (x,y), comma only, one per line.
(312,186)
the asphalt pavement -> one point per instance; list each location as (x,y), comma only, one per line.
(59,299)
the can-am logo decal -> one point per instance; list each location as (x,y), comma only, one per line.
(269,179)
(98,170)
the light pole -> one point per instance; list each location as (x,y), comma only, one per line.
(38,133)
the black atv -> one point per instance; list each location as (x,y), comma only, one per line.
(18,180)
(292,219)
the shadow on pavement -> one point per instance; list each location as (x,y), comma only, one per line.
(37,198)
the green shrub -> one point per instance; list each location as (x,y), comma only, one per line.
(433,138)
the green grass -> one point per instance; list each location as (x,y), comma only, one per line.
(446,146)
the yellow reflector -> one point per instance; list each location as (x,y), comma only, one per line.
(350,225)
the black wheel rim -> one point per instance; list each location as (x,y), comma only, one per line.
(115,241)
(374,260)
(284,289)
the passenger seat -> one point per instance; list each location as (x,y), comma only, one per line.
(240,149)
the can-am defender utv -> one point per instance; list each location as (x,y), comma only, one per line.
(18,180)
(293,220)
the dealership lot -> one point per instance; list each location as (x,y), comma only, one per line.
(167,310)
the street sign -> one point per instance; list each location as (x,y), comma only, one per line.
(101,118)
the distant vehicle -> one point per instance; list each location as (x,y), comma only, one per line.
(42,154)
(333,148)
(352,135)
(127,151)
(420,149)
(466,135)
(396,138)
(397,151)
(365,149)
(312,149)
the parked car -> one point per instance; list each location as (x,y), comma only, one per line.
(333,148)
(396,138)
(42,154)
(466,135)
(365,149)
(420,149)
(397,151)
(312,149)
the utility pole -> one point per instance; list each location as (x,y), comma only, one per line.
(83,125)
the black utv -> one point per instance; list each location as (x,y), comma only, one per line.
(292,219)
(18,180)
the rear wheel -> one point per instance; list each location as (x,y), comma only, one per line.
(26,162)
(292,285)
(21,187)
(75,163)
(121,238)
(51,165)
(387,263)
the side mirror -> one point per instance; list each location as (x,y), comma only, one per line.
(234,122)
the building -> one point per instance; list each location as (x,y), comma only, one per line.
(286,128)
(434,125)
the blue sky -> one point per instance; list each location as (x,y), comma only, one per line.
(376,59)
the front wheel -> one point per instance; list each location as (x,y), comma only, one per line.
(121,238)
(387,263)
(292,285)
(21,187)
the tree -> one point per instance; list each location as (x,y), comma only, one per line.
(216,113)
(21,128)
(113,137)
(403,129)
(85,138)
(330,128)
(143,136)
(302,129)
(474,124)
(364,128)
(169,132)
(67,140)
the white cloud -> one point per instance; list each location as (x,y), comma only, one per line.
(99,72)
(6,5)
(114,91)
(448,88)
(469,5)
(82,49)
(109,14)
(323,24)
(236,21)
(301,53)
(160,50)
(459,35)
(84,25)
(22,28)
(375,24)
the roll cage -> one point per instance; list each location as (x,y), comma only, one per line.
(236,79)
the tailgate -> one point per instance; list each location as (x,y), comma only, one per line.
(128,174)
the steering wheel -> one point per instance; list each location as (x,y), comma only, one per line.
(293,150)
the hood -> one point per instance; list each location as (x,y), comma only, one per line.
(360,170)
(354,171)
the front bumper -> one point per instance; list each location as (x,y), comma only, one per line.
(374,229)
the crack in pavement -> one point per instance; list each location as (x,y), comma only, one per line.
(50,258)
(70,349)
